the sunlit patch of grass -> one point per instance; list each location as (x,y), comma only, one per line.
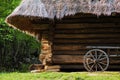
(61,76)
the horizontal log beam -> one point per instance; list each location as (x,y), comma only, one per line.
(77,47)
(114,67)
(89,20)
(73,66)
(70,52)
(67,59)
(114,61)
(87,35)
(68,47)
(87,25)
(89,31)
(88,41)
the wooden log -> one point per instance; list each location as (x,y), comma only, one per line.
(78,46)
(68,47)
(89,20)
(114,53)
(87,36)
(45,56)
(89,31)
(72,66)
(66,66)
(87,25)
(70,52)
(114,67)
(37,71)
(87,41)
(84,51)
(114,59)
(53,70)
(67,59)
(48,67)
(114,62)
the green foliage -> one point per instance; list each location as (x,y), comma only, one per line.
(17,50)
(5,34)
(6,7)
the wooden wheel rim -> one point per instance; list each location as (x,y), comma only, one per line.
(96,60)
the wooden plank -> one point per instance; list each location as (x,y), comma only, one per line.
(70,52)
(87,41)
(84,51)
(87,36)
(53,70)
(114,60)
(114,67)
(89,31)
(87,25)
(48,67)
(78,46)
(67,59)
(89,20)
(71,66)
(104,47)
(68,47)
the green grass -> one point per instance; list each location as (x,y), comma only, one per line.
(61,76)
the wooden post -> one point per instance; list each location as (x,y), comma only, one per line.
(46,45)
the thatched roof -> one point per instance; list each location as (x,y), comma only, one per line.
(29,9)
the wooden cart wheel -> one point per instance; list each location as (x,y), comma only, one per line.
(96,60)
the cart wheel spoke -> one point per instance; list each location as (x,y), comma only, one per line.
(101,67)
(102,63)
(92,55)
(91,68)
(100,55)
(90,63)
(95,54)
(90,59)
(103,58)
(96,67)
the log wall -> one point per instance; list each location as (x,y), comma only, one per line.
(73,34)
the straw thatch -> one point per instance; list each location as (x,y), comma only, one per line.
(61,8)
(32,9)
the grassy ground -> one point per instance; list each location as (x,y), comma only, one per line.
(61,76)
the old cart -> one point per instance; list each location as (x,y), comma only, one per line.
(97,58)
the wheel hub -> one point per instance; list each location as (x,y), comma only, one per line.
(96,61)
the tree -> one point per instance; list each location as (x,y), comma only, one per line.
(16,48)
